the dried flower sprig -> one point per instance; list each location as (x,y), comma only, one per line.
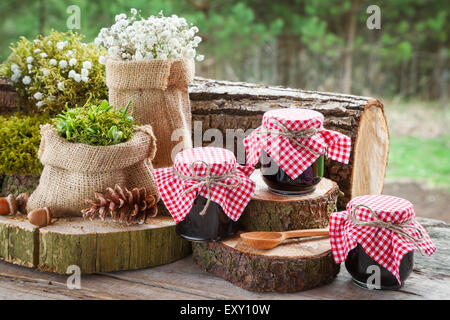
(157,37)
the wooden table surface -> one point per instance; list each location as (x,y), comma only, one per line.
(184,280)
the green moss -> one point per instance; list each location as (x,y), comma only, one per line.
(98,125)
(19,143)
(50,72)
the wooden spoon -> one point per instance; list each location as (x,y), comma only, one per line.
(269,240)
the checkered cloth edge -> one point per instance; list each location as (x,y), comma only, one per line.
(383,245)
(192,162)
(295,155)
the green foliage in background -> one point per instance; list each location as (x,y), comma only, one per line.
(53,70)
(298,43)
(421,159)
(98,125)
(19,141)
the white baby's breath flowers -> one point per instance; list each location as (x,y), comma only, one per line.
(72,73)
(37,96)
(72,62)
(60,45)
(62,64)
(30,59)
(37,50)
(53,62)
(101,60)
(87,65)
(157,37)
(77,77)
(60,86)
(43,55)
(39,104)
(84,72)
(26,80)
(45,72)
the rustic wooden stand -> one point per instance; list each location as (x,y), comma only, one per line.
(295,265)
(272,212)
(94,246)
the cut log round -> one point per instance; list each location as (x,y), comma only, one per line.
(94,246)
(226,105)
(8,96)
(268,211)
(295,265)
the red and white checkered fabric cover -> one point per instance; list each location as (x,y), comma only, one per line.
(221,161)
(290,157)
(383,245)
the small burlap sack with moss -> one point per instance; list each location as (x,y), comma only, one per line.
(73,172)
(158,90)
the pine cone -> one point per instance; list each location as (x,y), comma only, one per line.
(124,206)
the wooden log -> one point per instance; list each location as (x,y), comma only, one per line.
(268,211)
(295,265)
(8,96)
(94,246)
(236,105)
(229,105)
(16,184)
(18,241)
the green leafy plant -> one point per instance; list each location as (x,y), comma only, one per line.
(19,143)
(98,125)
(52,71)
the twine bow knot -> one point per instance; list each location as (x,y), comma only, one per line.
(398,228)
(293,135)
(208,180)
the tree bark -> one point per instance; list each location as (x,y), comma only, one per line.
(348,51)
(271,212)
(94,246)
(8,96)
(295,265)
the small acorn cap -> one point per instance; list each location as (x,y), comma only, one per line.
(12,202)
(48,214)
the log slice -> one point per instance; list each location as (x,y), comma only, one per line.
(268,211)
(295,265)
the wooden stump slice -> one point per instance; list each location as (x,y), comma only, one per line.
(18,241)
(268,211)
(94,246)
(295,265)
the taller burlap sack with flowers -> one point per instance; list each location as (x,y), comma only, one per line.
(158,90)
(73,172)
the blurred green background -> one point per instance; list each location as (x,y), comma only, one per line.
(315,45)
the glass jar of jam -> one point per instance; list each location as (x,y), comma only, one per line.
(279,182)
(214,225)
(360,266)
(376,237)
(291,145)
(206,192)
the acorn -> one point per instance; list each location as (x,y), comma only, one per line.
(22,200)
(8,205)
(40,217)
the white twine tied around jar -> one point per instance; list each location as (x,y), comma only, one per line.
(294,135)
(395,227)
(207,180)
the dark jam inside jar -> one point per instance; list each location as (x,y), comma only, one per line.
(358,263)
(213,226)
(278,181)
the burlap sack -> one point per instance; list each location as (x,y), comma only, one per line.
(73,172)
(159,92)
